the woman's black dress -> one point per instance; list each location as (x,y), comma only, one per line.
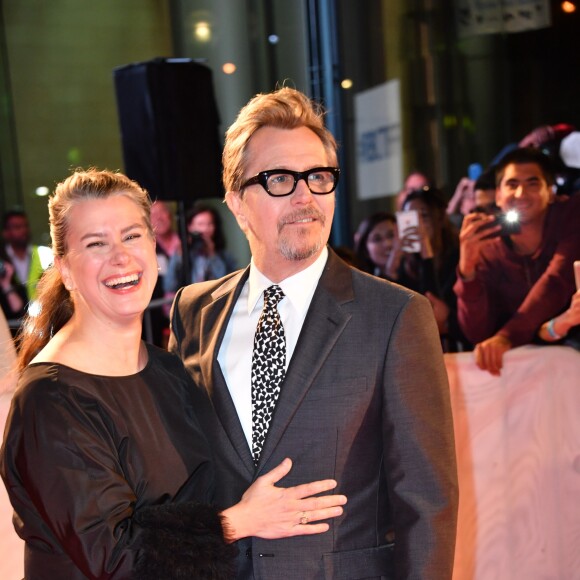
(110,477)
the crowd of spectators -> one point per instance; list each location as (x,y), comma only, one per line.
(493,285)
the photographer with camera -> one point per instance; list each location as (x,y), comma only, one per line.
(208,258)
(511,281)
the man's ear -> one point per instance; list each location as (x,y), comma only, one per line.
(236,206)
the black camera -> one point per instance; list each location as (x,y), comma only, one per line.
(195,241)
(509,222)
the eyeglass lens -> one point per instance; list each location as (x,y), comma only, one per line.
(285,183)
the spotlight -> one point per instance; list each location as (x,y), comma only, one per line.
(202,31)
(568,7)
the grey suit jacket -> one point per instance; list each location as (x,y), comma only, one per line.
(365,401)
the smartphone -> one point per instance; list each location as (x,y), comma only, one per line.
(405,220)
(509,222)
(577,273)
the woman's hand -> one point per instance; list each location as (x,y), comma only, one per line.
(394,259)
(426,246)
(409,237)
(271,512)
(414,234)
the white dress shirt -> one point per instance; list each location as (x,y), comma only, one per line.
(235,354)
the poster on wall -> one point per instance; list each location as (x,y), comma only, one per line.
(378,138)
(476,17)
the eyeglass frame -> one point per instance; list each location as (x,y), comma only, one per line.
(263,176)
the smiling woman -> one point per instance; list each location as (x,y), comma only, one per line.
(110,266)
(100,230)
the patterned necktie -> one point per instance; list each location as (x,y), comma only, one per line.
(268,367)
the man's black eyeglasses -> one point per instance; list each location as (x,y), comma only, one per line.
(281,182)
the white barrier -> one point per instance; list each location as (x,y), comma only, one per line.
(518,452)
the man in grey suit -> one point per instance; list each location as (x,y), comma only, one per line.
(363,397)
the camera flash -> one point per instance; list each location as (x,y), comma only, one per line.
(512,216)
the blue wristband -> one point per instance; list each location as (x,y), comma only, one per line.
(551,331)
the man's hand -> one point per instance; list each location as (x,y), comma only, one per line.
(472,239)
(562,324)
(489,353)
(572,316)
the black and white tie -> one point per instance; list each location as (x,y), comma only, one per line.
(268,367)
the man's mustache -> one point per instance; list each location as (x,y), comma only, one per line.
(298,215)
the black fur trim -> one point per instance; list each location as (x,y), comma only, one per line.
(183,541)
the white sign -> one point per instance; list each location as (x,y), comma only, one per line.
(491,16)
(378,138)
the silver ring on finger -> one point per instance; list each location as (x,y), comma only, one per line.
(303,519)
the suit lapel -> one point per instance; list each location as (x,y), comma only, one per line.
(214,319)
(324,323)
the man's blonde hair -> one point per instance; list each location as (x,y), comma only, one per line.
(285,108)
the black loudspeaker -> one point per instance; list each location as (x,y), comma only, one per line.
(169,128)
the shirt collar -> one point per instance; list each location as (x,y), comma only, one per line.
(297,288)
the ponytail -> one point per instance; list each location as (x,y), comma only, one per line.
(54,308)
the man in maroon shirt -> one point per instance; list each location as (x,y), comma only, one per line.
(508,286)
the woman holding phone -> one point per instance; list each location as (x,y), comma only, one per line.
(426,257)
